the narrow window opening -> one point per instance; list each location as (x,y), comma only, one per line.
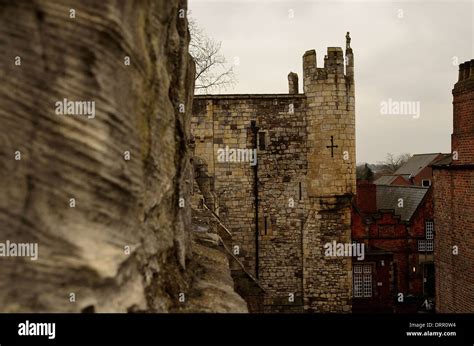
(261,140)
(265,224)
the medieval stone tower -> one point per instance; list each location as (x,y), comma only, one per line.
(296,197)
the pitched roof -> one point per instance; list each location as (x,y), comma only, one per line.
(385,179)
(388,198)
(416,163)
(443,161)
(389,179)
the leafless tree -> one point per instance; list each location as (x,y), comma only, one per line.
(392,162)
(212,70)
(364,172)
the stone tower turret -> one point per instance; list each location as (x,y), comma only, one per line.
(297,198)
(330,179)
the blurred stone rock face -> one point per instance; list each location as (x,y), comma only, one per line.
(99,192)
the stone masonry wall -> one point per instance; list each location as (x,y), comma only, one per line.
(331,178)
(304,191)
(281,167)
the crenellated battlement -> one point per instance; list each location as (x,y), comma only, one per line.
(305,145)
(334,63)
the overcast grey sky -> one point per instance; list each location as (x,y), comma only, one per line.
(404,51)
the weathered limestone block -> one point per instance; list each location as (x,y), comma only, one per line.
(304,182)
(211,289)
(49,55)
(222,282)
(292,83)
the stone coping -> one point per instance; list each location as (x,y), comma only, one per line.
(249,96)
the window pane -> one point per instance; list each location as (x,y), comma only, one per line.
(357,285)
(367,285)
(429,227)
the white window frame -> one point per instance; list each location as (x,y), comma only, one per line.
(429,230)
(428,180)
(362,280)
(425,245)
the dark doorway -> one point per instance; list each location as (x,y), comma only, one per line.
(429,279)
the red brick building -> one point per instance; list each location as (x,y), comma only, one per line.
(416,171)
(392,179)
(454,205)
(396,225)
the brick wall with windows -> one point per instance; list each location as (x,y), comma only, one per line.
(405,248)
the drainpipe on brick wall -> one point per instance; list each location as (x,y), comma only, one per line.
(254,128)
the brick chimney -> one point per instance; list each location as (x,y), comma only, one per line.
(366,197)
(462,139)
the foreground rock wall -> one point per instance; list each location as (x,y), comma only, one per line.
(97,190)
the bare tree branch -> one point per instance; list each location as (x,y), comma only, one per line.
(392,163)
(212,69)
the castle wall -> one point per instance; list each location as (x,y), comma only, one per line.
(304,187)
(327,282)
(281,168)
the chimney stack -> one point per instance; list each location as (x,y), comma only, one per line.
(462,139)
(466,70)
(366,197)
